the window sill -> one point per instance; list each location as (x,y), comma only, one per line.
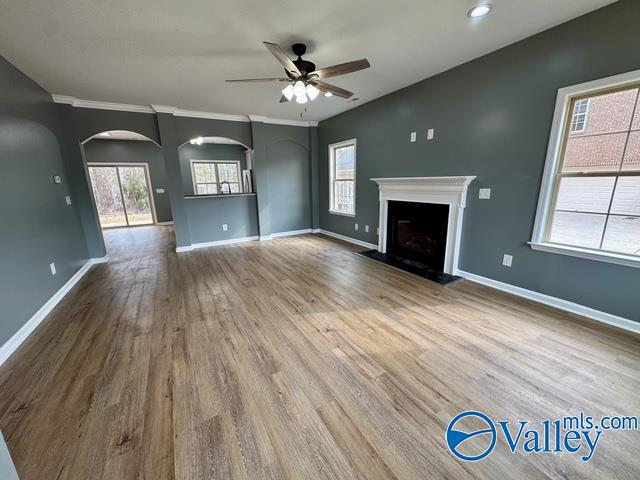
(598,256)
(335,212)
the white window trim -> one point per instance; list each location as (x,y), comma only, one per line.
(201,160)
(561,116)
(332,146)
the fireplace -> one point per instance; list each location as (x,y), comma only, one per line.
(421,219)
(418,231)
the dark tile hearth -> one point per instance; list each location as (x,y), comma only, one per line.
(411,266)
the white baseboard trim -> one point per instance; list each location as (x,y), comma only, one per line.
(291,233)
(567,306)
(164,223)
(215,243)
(262,238)
(27,329)
(347,239)
(315,230)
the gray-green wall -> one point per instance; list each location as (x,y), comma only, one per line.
(492,118)
(131,151)
(283,177)
(37,227)
(208,214)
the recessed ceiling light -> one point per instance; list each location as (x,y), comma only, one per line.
(479,10)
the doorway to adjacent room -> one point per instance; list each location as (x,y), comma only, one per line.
(123,194)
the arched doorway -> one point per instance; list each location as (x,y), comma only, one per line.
(119,165)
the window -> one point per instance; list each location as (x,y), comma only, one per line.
(209,176)
(342,186)
(590,198)
(579,119)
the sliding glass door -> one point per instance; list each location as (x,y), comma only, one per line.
(123,195)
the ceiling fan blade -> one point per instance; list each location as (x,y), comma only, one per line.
(327,87)
(284,99)
(272,79)
(341,69)
(283,58)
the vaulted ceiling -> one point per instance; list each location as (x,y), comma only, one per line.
(179,53)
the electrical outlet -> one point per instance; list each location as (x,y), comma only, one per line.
(224,227)
(377,231)
(52,266)
(507,260)
(366,228)
(484,194)
(413,137)
(67,199)
(356,226)
(430,134)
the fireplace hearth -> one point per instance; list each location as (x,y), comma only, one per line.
(416,240)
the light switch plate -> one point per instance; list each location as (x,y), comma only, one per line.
(159,190)
(67,199)
(52,267)
(430,134)
(366,228)
(507,260)
(356,226)
(413,137)
(485,194)
(224,227)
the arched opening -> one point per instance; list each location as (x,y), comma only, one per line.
(218,187)
(214,165)
(127,180)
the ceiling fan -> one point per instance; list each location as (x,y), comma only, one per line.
(304,81)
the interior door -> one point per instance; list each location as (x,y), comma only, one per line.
(123,196)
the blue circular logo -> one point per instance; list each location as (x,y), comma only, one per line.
(480,439)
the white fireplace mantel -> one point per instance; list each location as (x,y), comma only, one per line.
(450,191)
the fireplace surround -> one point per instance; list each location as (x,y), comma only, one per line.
(451,191)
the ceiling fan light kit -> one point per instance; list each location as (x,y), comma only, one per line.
(304,80)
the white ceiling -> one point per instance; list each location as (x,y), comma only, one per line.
(168,52)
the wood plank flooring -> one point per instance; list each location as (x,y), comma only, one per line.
(296,358)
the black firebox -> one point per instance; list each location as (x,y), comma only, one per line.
(418,231)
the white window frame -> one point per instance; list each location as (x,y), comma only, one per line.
(561,117)
(332,175)
(584,114)
(193,175)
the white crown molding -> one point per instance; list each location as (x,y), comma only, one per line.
(163,109)
(282,121)
(120,107)
(178,112)
(211,116)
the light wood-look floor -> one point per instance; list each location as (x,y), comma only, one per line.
(295,358)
